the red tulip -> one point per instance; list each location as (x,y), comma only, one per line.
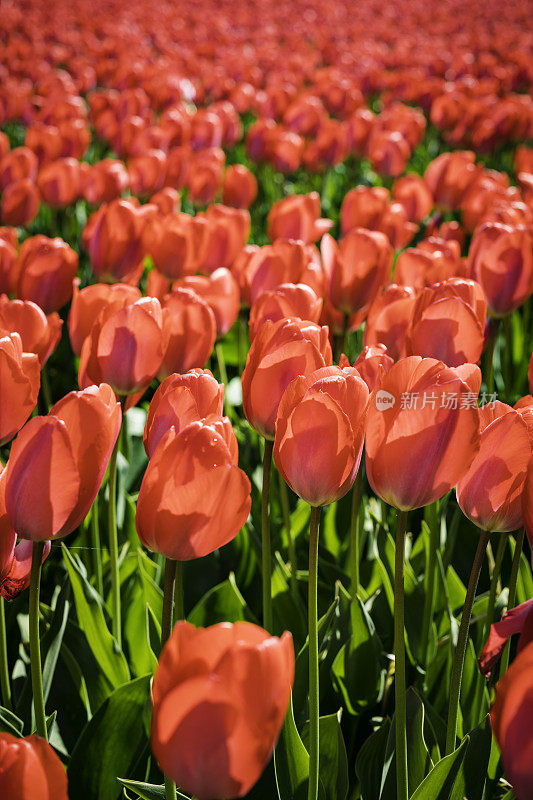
(490,492)
(530,374)
(412,192)
(222,233)
(179,400)
(29,768)
(19,385)
(388,319)
(20,203)
(47,269)
(422,432)
(104,181)
(356,269)
(191,330)
(371,362)
(363,207)
(240,187)
(297,217)
(288,300)
(501,260)
(516,620)
(57,464)
(270,266)
(221,291)
(17,165)
(125,348)
(319,433)
(448,322)
(87,304)
(166,200)
(388,152)
(510,718)
(449,175)
(172,243)
(431,261)
(219,698)
(40,334)
(113,238)
(147,172)
(279,353)
(60,182)
(193,497)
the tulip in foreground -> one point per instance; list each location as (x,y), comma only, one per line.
(219,700)
(30,769)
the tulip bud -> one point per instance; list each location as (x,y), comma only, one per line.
(20,203)
(295,300)
(220,291)
(47,269)
(88,302)
(240,187)
(40,334)
(297,217)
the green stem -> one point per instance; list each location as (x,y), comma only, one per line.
(460,650)
(35,645)
(431,569)
(265,537)
(354,532)
(489,357)
(45,389)
(340,343)
(495,577)
(286,511)
(4,663)
(166,629)
(179,612)
(399,659)
(313,655)
(512,594)
(96,547)
(222,374)
(113,545)
(507,355)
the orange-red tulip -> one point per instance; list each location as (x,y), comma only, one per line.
(40,334)
(388,319)
(8,266)
(57,464)
(510,718)
(431,261)
(147,172)
(388,152)
(279,353)
(288,300)
(412,192)
(222,233)
(268,267)
(20,203)
(179,400)
(193,497)
(87,304)
(17,165)
(47,268)
(29,768)
(113,238)
(172,243)
(240,187)
(363,207)
(297,217)
(516,620)
(356,269)
(490,493)
(220,291)
(449,175)
(191,331)
(19,385)
(319,433)
(371,362)
(125,348)
(448,322)
(166,200)
(104,181)
(501,260)
(60,182)
(219,698)
(422,432)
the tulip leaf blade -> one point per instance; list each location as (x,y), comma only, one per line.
(474,768)
(10,723)
(438,785)
(150,791)
(222,603)
(370,760)
(91,618)
(110,743)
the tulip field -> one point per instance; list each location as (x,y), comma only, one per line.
(266,400)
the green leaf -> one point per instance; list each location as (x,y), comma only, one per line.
(291,761)
(110,743)
(472,775)
(91,618)
(142,592)
(370,761)
(150,791)
(440,782)
(419,762)
(288,612)
(223,603)
(10,723)
(332,759)
(357,670)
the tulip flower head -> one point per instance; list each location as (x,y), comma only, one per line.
(219,699)
(29,768)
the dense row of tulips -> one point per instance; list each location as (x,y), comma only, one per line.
(265,354)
